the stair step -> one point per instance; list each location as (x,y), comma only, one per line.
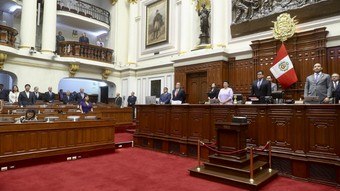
(259,179)
(245,170)
(227,161)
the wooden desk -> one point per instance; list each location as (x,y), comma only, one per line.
(34,140)
(305,138)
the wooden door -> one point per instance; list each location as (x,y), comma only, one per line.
(196,87)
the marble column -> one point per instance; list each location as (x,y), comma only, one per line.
(49,26)
(218,23)
(28,24)
(186,26)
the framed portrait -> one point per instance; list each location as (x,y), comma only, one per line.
(157,23)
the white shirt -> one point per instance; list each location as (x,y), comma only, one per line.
(226,96)
(27,94)
(13,97)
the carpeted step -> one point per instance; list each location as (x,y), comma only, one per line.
(227,161)
(243,171)
(259,180)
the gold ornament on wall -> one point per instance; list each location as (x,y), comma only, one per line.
(3,58)
(105,74)
(199,4)
(114,2)
(132,1)
(284,27)
(73,69)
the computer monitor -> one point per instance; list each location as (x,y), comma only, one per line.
(277,95)
(150,99)
(214,101)
(239,97)
(311,100)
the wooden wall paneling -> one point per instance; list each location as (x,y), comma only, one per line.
(161,121)
(280,121)
(252,115)
(333,60)
(299,130)
(178,122)
(198,124)
(321,125)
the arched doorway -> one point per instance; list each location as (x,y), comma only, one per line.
(8,79)
(101,89)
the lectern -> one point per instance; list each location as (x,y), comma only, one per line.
(231,137)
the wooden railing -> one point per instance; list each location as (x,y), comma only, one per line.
(85,9)
(86,51)
(7,36)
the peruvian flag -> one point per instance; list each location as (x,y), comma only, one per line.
(283,69)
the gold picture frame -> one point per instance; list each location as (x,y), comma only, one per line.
(157,23)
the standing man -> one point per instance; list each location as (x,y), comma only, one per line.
(67,98)
(318,84)
(261,87)
(81,95)
(165,96)
(335,87)
(26,97)
(84,39)
(37,94)
(118,100)
(132,102)
(178,94)
(49,95)
(3,93)
(59,38)
(273,86)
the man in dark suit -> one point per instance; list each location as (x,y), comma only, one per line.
(68,98)
(84,39)
(81,95)
(26,97)
(37,94)
(165,96)
(49,95)
(318,84)
(261,87)
(213,93)
(3,93)
(118,100)
(132,100)
(335,87)
(178,94)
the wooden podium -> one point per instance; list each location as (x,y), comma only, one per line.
(231,137)
(231,165)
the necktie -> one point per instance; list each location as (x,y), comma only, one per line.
(335,85)
(258,84)
(316,77)
(176,92)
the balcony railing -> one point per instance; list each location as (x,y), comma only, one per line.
(86,51)
(84,9)
(7,36)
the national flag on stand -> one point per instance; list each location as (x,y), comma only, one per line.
(283,69)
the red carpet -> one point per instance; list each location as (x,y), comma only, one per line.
(130,169)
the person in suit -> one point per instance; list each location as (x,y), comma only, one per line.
(335,88)
(3,93)
(68,98)
(81,95)
(318,84)
(37,94)
(132,100)
(84,39)
(165,96)
(273,86)
(26,97)
(213,93)
(178,94)
(49,95)
(261,87)
(118,100)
